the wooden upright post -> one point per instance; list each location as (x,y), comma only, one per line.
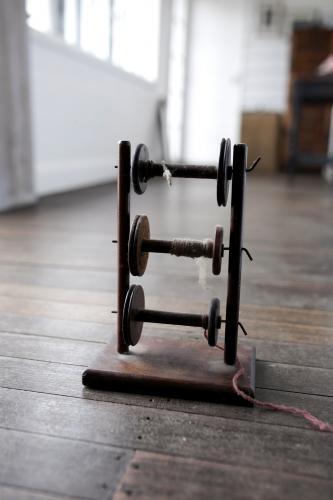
(124,183)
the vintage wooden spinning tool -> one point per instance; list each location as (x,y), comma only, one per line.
(161,365)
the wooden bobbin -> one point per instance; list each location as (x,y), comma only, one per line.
(135,315)
(139,168)
(140,245)
(144,169)
(135,301)
(224,173)
(137,258)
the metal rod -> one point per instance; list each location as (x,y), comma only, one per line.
(172,318)
(177,170)
(235,253)
(156,246)
(124,182)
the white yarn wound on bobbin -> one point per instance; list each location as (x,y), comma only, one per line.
(167,175)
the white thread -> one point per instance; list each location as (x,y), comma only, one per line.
(202,262)
(167,175)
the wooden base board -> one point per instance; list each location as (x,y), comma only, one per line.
(180,369)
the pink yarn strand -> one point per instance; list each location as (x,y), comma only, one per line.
(319,424)
(316,422)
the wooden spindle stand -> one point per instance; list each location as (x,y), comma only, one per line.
(176,367)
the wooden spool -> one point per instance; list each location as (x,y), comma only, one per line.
(144,169)
(135,315)
(140,245)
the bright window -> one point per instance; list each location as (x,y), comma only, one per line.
(176,84)
(135,36)
(124,32)
(71,22)
(95,27)
(39,14)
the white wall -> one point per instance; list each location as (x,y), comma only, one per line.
(214,82)
(266,74)
(81,107)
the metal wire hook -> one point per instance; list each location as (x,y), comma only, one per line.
(243,250)
(247,253)
(242,327)
(239,323)
(254,164)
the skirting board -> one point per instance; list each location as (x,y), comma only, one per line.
(162,367)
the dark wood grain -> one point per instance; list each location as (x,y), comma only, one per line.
(57,288)
(267,446)
(277,376)
(82,351)
(268,289)
(261,329)
(43,464)
(56,328)
(191,479)
(65,380)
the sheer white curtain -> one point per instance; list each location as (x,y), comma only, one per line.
(16,186)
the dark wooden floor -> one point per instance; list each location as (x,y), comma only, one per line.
(57,284)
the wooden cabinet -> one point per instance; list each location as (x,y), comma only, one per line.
(310,46)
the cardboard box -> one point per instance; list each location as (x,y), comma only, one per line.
(261,131)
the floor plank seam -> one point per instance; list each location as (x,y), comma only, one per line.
(44,361)
(274,389)
(43,336)
(169,410)
(262,361)
(162,299)
(129,394)
(295,392)
(160,452)
(53,265)
(100,342)
(57,301)
(291,364)
(41,492)
(56,318)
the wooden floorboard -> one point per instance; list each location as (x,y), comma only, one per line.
(80,352)
(261,329)
(232,441)
(65,380)
(57,288)
(17,493)
(192,479)
(46,463)
(278,376)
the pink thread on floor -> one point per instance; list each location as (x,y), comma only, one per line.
(319,424)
